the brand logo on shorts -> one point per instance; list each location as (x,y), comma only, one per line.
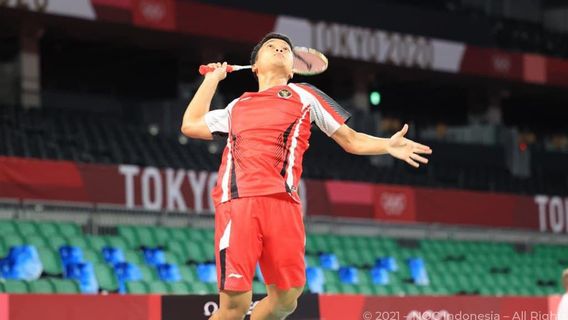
(284,93)
(235,275)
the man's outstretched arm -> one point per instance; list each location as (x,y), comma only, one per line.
(193,124)
(397,146)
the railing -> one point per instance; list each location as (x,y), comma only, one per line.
(102,219)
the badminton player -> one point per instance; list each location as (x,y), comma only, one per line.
(258,215)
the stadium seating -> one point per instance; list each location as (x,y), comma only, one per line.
(366,265)
(91,138)
(508,31)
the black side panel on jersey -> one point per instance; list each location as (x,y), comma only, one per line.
(285,137)
(334,105)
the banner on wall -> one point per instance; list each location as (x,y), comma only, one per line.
(335,39)
(310,307)
(183,190)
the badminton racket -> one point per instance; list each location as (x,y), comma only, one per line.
(307,62)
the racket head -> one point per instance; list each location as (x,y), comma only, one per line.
(308,61)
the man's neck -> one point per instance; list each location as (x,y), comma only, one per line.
(268,81)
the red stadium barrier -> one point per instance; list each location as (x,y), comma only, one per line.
(154,189)
(495,63)
(4,307)
(310,307)
(476,208)
(411,204)
(553,302)
(84,307)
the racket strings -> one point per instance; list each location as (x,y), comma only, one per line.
(306,62)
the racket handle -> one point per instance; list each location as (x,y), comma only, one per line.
(203,69)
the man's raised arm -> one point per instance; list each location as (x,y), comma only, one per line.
(193,124)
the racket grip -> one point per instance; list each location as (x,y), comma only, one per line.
(203,69)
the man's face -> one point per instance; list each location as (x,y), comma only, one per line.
(274,55)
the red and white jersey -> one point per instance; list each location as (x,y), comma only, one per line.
(267,135)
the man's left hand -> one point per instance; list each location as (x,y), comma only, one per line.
(406,149)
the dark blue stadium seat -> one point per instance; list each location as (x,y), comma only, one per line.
(154,256)
(70,254)
(22,263)
(169,272)
(84,273)
(113,255)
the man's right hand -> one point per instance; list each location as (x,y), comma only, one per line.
(219,73)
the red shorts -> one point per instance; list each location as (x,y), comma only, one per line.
(265,229)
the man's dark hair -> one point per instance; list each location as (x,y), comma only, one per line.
(269,36)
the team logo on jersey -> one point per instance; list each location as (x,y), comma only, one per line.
(284,93)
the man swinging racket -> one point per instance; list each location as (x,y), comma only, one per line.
(258,215)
